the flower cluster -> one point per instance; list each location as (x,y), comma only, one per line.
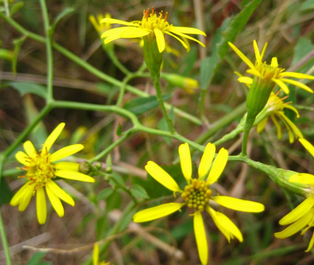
(198,196)
(41,172)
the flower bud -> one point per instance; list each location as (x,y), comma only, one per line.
(188,84)
(85,167)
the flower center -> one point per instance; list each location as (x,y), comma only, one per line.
(196,195)
(151,21)
(40,170)
(269,72)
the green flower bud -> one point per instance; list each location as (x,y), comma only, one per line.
(85,167)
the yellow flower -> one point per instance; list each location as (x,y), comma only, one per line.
(96,257)
(197,195)
(270,73)
(303,215)
(41,172)
(100,27)
(151,26)
(275,108)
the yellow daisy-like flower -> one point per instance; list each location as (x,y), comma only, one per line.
(270,72)
(96,22)
(41,172)
(96,257)
(275,108)
(197,195)
(302,217)
(152,26)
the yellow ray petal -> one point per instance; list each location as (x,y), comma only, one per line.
(309,248)
(261,125)
(60,193)
(295,227)
(26,197)
(161,176)
(188,37)
(95,254)
(242,56)
(185,161)
(245,80)
(41,206)
(297,75)
(218,166)
(286,106)
(282,85)
(66,151)
(22,158)
(239,205)
(274,62)
(263,51)
(71,166)
(302,209)
(116,21)
(178,39)
(134,33)
(156,212)
(206,160)
(307,145)
(254,72)
(279,133)
(294,128)
(303,178)
(200,235)
(113,32)
(17,198)
(298,84)
(160,38)
(53,137)
(256,50)
(74,175)
(29,149)
(187,30)
(55,202)
(281,115)
(225,225)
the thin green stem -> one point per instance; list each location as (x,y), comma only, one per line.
(2,230)
(247,128)
(6,7)
(223,122)
(124,136)
(156,81)
(94,70)
(110,52)
(48,50)
(125,81)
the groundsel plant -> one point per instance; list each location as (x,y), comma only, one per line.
(124,212)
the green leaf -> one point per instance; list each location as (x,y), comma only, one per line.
(119,130)
(139,192)
(17,47)
(36,259)
(141,105)
(25,88)
(6,193)
(65,12)
(104,194)
(116,179)
(16,8)
(6,54)
(309,4)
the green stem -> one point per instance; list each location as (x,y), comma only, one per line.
(125,81)
(155,77)
(247,127)
(94,70)
(6,7)
(48,50)
(2,230)
(124,136)
(110,52)
(223,122)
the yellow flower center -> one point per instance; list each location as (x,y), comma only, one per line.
(267,71)
(151,21)
(196,195)
(40,170)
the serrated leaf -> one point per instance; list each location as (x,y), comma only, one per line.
(104,194)
(25,88)
(139,192)
(6,193)
(141,105)
(17,47)
(61,15)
